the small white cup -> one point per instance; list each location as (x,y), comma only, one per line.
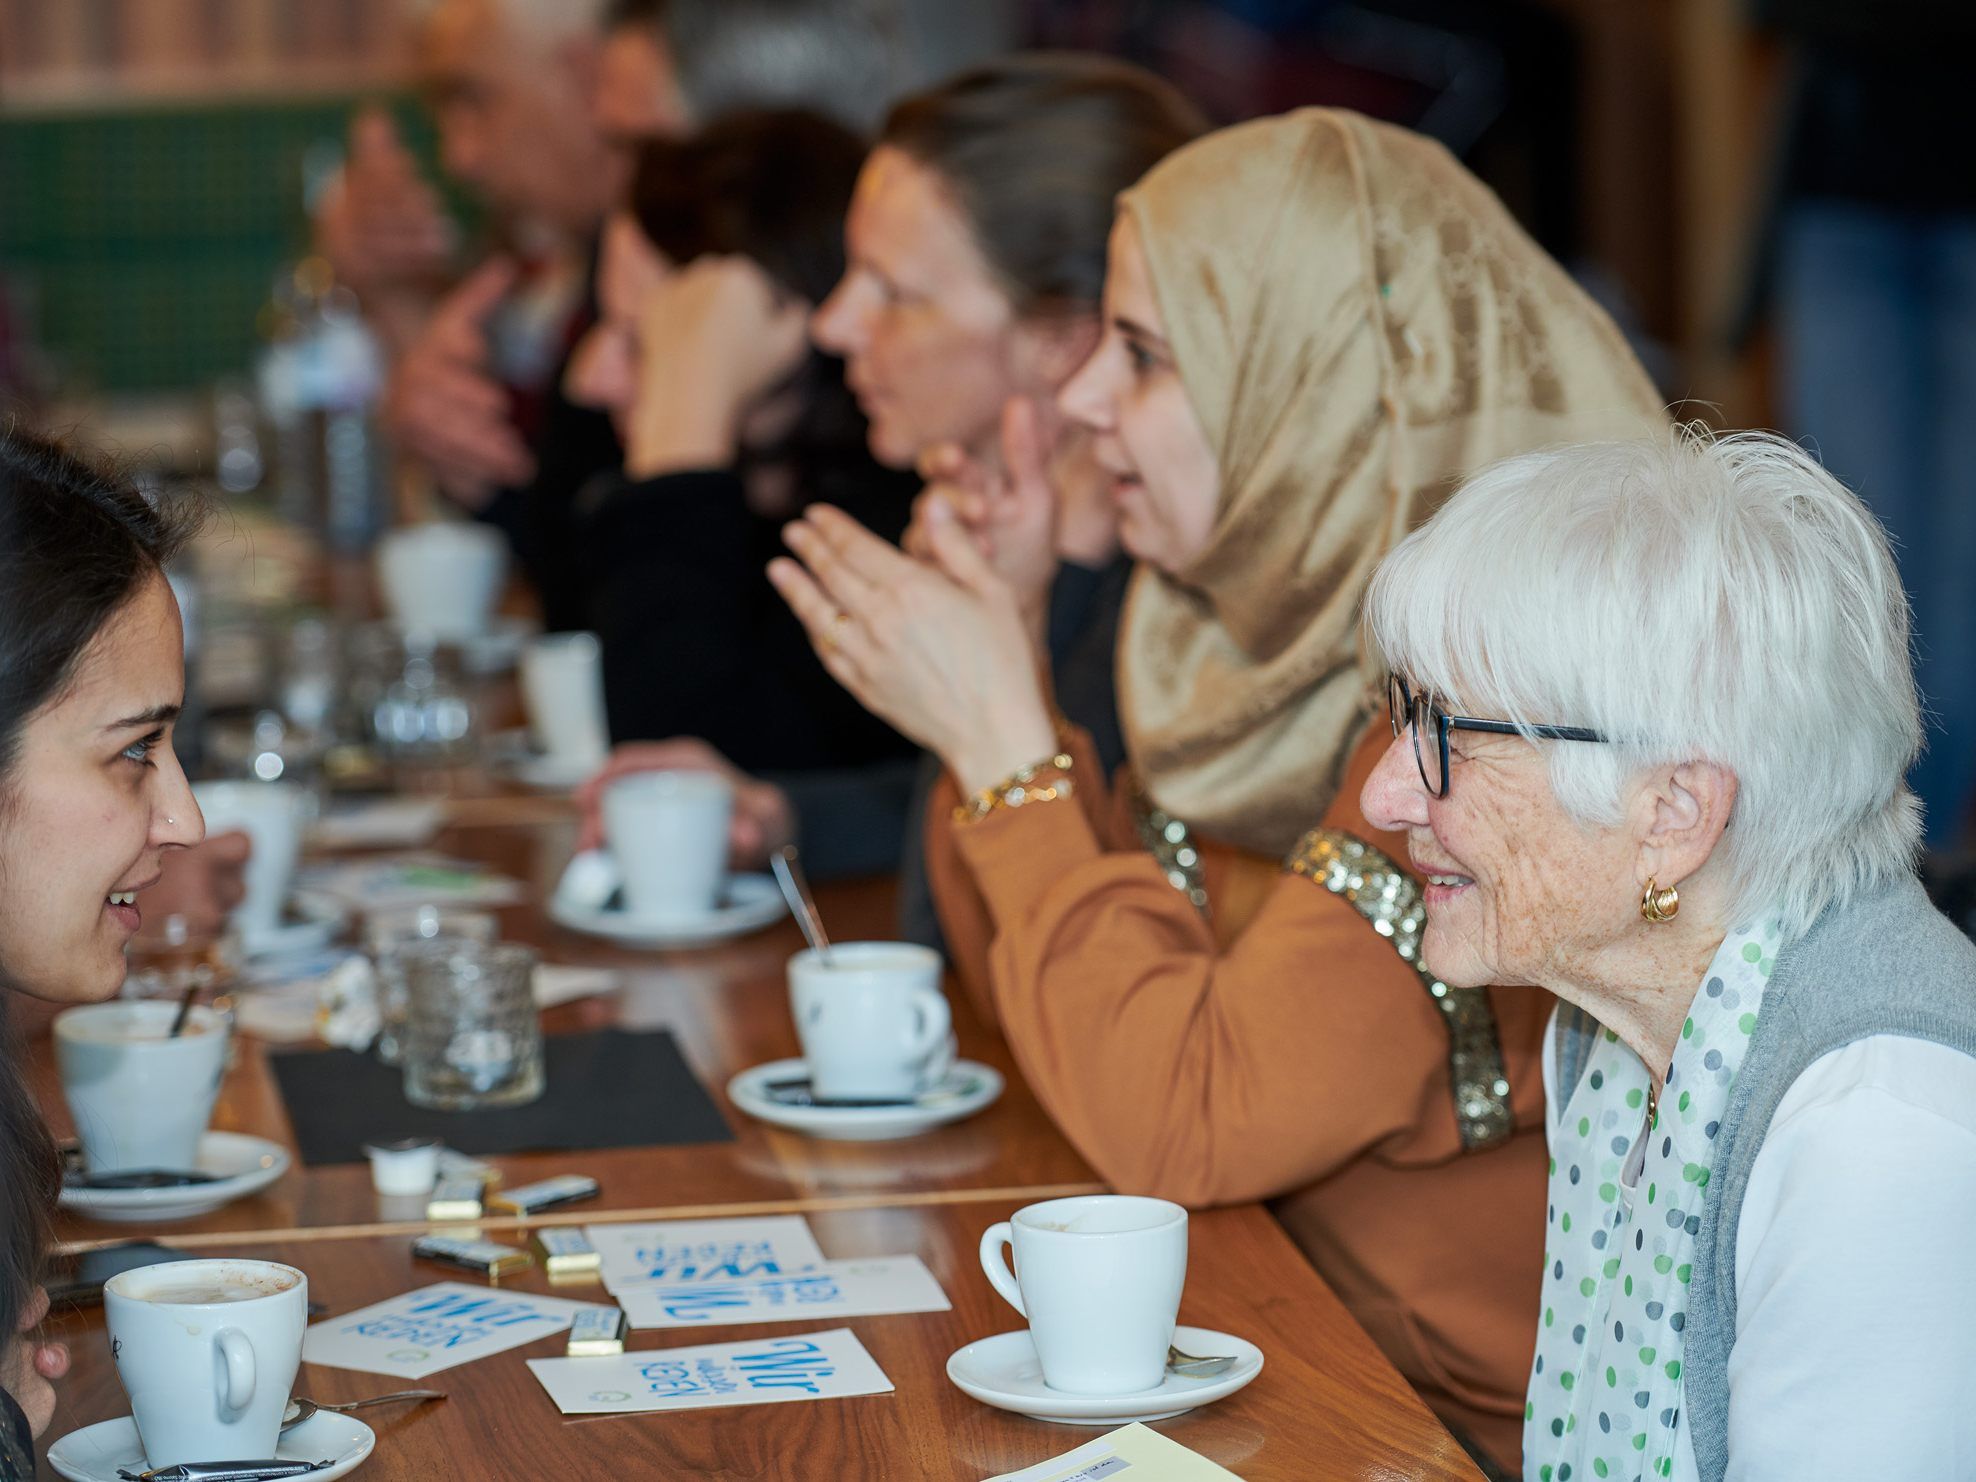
(407,1166)
(1099,1279)
(140,1099)
(873,1021)
(273,815)
(207,1352)
(442,577)
(562,684)
(667,833)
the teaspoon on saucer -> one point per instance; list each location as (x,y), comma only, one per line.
(300,1408)
(1186,1366)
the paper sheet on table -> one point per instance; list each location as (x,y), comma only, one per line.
(767,1371)
(284,1014)
(411,880)
(295,1011)
(1132,1454)
(434,1328)
(384,823)
(554,983)
(691,1252)
(862,1288)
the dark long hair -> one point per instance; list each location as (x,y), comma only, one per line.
(76,544)
(1036,149)
(772,185)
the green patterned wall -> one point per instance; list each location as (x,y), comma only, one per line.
(140,245)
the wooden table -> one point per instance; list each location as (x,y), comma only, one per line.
(1327,1404)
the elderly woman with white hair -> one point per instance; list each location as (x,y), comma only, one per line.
(1651,707)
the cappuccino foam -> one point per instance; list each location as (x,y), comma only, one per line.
(206,1291)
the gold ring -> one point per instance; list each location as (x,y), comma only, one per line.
(828,643)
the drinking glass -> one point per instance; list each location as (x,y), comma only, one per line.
(472,1038)
(387,932)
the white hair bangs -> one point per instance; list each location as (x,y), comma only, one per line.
(1692,598)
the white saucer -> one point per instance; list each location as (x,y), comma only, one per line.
(497,647)
(512,754)
(751,902)
(966,1089)
(1003,1371)
(549,773)
(96,1452)
(244,1165)
(312,922)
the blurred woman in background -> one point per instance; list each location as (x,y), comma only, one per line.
(975,245)
(731,424)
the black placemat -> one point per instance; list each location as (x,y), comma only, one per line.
(608,1088)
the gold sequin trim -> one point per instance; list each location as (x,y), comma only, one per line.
(1174,850)
(1389,899)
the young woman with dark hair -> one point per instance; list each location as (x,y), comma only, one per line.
(92,676)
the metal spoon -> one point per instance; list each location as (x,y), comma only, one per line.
(300,1409)
(1188,1367)
(802,905)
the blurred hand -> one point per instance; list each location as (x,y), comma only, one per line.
(715,338)
(28,1369)
(444,405)
(938,648)
(1010,511)
(200,886)
(380,223)
(763,819)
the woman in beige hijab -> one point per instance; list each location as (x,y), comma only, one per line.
(1315,326)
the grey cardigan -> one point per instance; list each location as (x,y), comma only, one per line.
(1887,962)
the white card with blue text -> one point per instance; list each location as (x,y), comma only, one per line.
(860,1288)
(434,1328)
(692,1252)
(766,1371)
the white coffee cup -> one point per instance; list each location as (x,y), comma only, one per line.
(442,577)
(562,684)
(140,1098)
(667,833)
(207,1352)
(872,1019)
(273,815)
(1099,1279)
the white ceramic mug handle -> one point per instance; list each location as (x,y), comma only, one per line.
(996,1269)
(936,1021)
(237,1370)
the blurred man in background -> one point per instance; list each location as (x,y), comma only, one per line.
(537,104)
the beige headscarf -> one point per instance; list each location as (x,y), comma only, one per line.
(1359,325)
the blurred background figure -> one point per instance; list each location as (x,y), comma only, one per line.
(973,261)
(732,424)
(1869,263)
(537,108)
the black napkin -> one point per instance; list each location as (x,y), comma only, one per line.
(608,1088)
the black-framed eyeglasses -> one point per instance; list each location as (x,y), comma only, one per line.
(1406,709)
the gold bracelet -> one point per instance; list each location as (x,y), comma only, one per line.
(1018,788)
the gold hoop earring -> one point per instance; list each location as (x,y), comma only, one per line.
(1659,905)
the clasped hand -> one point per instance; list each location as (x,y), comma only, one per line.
(939,648)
